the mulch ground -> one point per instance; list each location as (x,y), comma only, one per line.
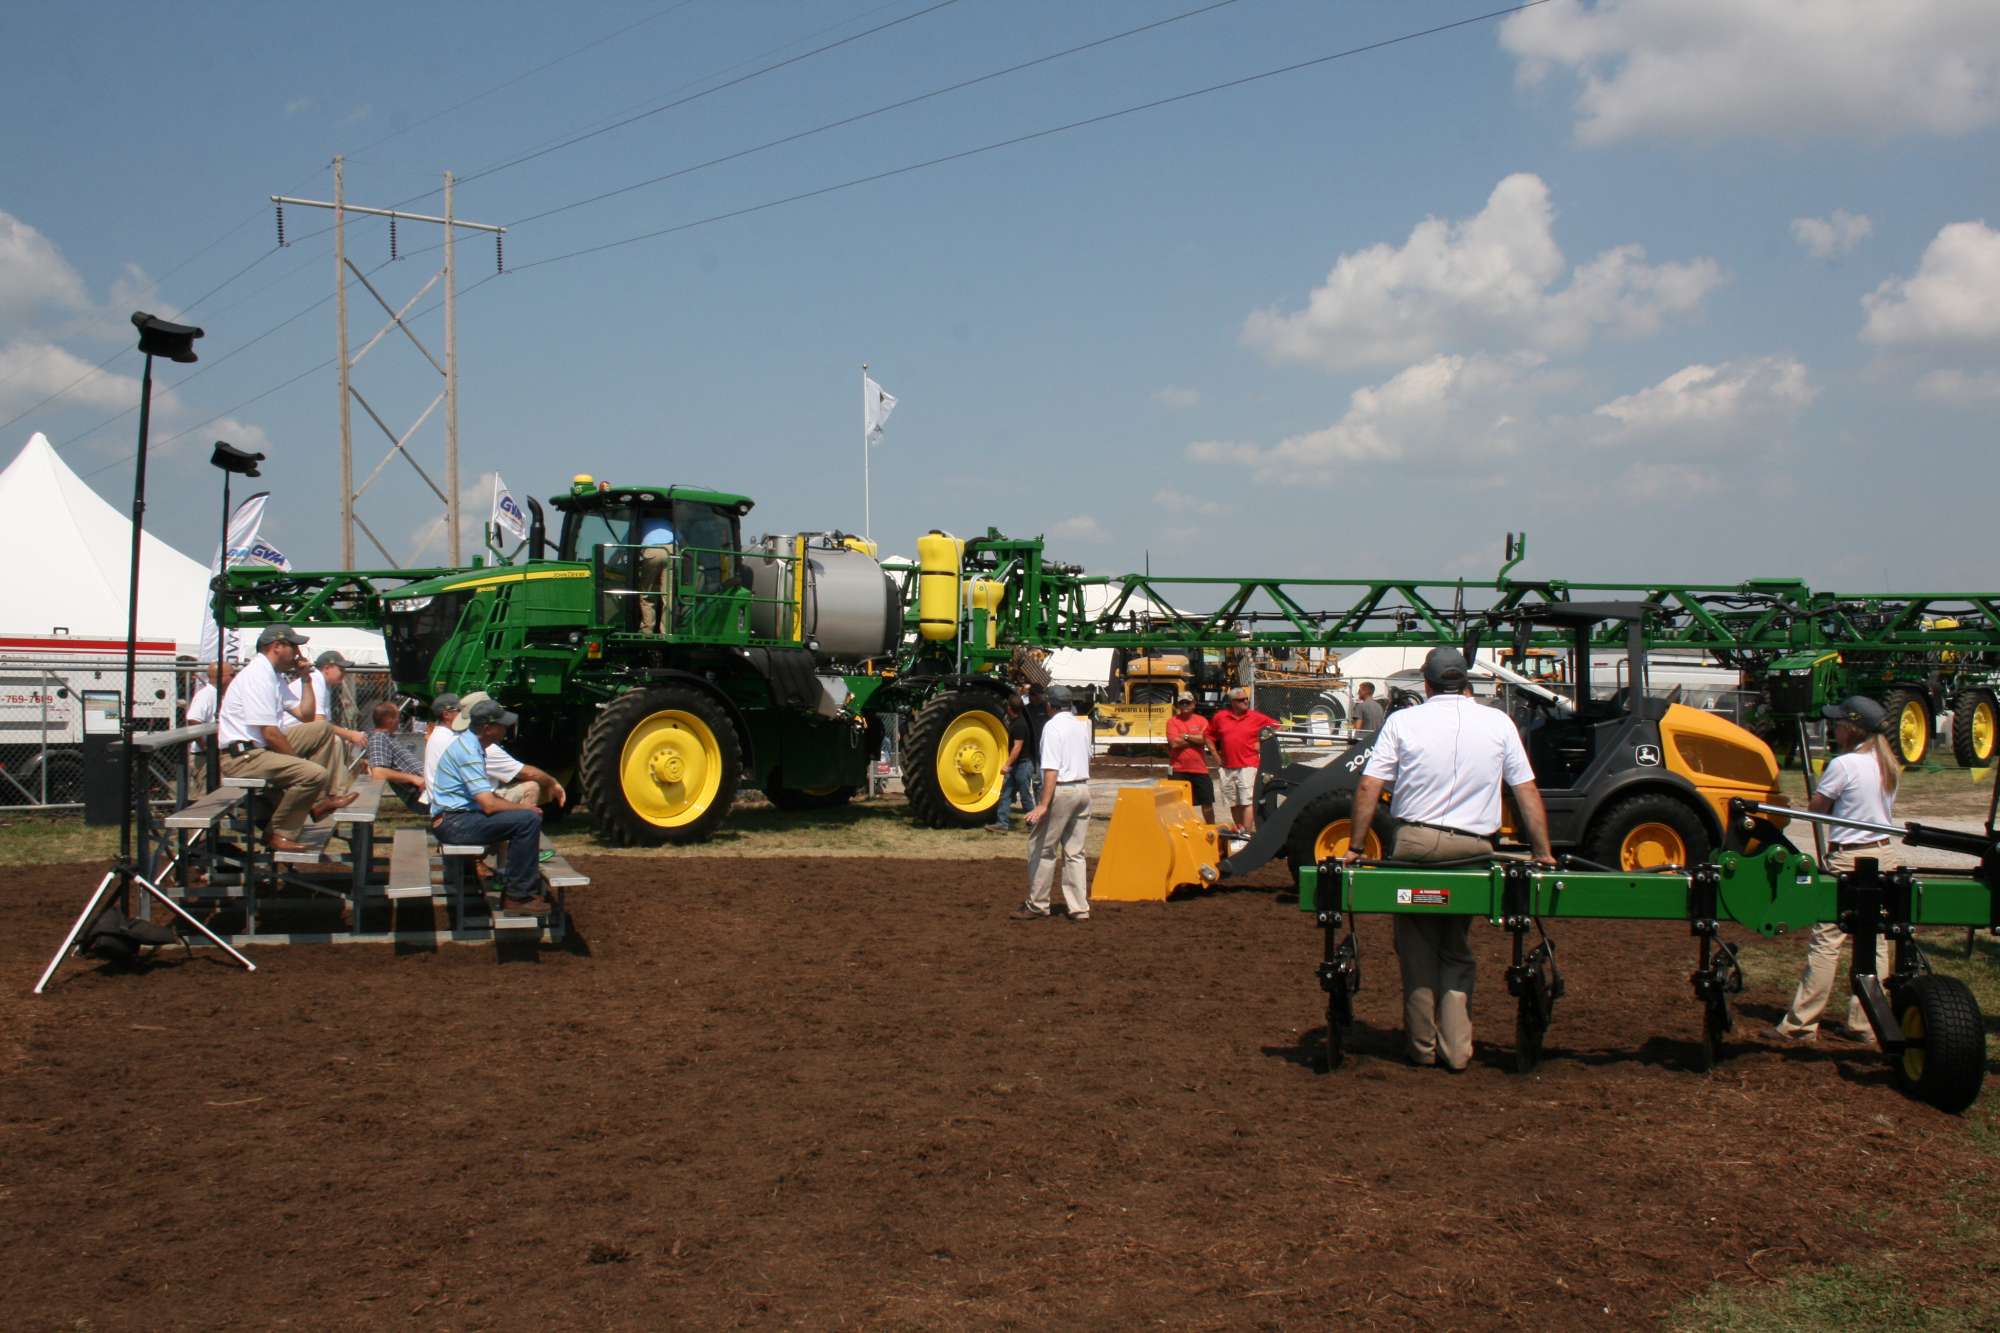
(853,1094)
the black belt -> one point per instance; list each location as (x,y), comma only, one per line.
(1446,828)
(1858,846)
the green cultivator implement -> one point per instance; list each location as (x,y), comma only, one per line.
(1929,1025)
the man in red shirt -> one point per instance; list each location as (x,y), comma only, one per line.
(1189,747)
(1235,730)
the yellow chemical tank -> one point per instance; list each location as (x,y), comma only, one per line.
(939,555)
(986,595)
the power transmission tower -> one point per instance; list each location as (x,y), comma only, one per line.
(448,369)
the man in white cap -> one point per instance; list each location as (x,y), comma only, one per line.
(1445,763)
(523,784)
(297,764)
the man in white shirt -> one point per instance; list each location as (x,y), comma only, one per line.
(1061,817)
(201,707)
(1445,764)
(297,764)
(512,780)
(523,784)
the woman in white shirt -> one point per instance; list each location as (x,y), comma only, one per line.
(1859,783)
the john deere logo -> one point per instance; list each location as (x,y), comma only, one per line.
(1647,754)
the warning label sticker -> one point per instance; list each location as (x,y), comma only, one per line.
(1424,897)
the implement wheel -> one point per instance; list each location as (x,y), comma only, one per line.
(955,759)
(1909,726)
(1647,831)
(1945,1060)
(1321,832)
(660,765)
(1975,729)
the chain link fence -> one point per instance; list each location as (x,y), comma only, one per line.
(41,719)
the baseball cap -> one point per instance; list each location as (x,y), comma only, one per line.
(1183,698)
(488,711)
(1061,696)
(1859,710)
(465,706)
(1444,668)
(279,633)
(444,703)
(332,657)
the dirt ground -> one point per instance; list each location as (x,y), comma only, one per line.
(850,1093)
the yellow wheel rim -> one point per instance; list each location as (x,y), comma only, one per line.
(670,769)
(1337,836)
(1983,728)
(1651,845)
(1913,1054)
(1912,730)
(971,759)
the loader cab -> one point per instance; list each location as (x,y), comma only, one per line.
(1601,674)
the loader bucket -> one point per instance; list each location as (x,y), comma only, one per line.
(1157,844)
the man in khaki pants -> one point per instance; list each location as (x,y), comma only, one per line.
(1060,821)
(1444,763)
(296,765)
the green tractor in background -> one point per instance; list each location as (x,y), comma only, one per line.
(665,664)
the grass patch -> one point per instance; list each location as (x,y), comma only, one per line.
(52,839)
(1866,1296)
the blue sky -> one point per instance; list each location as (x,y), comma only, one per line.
(1700,290)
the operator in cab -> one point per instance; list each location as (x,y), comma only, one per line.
(1444,763)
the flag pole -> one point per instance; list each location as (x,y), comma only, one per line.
(867,517)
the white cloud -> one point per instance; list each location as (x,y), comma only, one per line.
(1771,69)
(356,115)
(1959,386)
(1177,398)
(1831,237)
(1177,502)
(32,369)
(296,105)
(1489,279)
(1078,528)
(1954,297)
(35,280)
(1710,399)
(1447,407)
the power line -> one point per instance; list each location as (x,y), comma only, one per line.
(877,111)
(693,97)
(1029,137)
(518,78)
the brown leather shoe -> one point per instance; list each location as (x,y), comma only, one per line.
(278,842)
(536,906)
(327,805)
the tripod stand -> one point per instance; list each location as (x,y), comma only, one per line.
(157,337)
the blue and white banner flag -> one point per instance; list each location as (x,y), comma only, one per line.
(244,547)
(507,514)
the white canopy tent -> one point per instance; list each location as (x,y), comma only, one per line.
(68,554)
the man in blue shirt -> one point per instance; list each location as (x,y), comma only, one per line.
(466,811)
(655,536)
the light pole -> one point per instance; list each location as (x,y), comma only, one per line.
(157,337)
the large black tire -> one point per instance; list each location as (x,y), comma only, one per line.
(1320,831)
(1945,1061)
(1646,831)
(1975,728)
(1909,726)
(954,759)
(659,766)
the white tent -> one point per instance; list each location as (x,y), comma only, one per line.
(68,553)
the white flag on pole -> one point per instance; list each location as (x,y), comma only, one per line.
(245,547)
(507,515)
(876,405)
